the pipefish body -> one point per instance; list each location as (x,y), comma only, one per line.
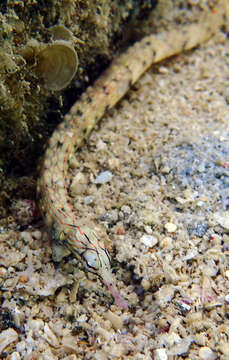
(124,71)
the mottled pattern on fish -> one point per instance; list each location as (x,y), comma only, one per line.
(77,125)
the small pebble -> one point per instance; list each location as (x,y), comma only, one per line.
(148,229)
(3,271)
(103,177)
(83,318)
(71,357)
(78,184)
(184,307)
(50,337)
(120,230)
(21,346)
(145,284)
(15,356)
(224,348)
(170,227)
(192,253)
(115,320)
(26,236)
(200,203)
(163,70)
(126,209)
(73,162)
(149,217)
(160,354)
(198,229)
(117,351)
(101,145)
(222,219)
(200,339)
(37,234)
(180,346)
(227,274)
(149,240)
(69,343)
(166,242)
(23,278)
(36,324)
(88,200)
(206,353)
(114,163)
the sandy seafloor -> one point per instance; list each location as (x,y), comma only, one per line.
(164,209)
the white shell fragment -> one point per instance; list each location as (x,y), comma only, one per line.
(103,177)
(57,64)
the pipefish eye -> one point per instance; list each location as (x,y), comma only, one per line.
(92,259)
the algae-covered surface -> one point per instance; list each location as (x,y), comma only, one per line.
(41,42)
(153,180)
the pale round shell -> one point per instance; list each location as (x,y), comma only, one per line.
(57,64)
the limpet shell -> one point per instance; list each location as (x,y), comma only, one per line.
(57,64)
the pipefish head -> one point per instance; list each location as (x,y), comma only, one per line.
(96,259)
